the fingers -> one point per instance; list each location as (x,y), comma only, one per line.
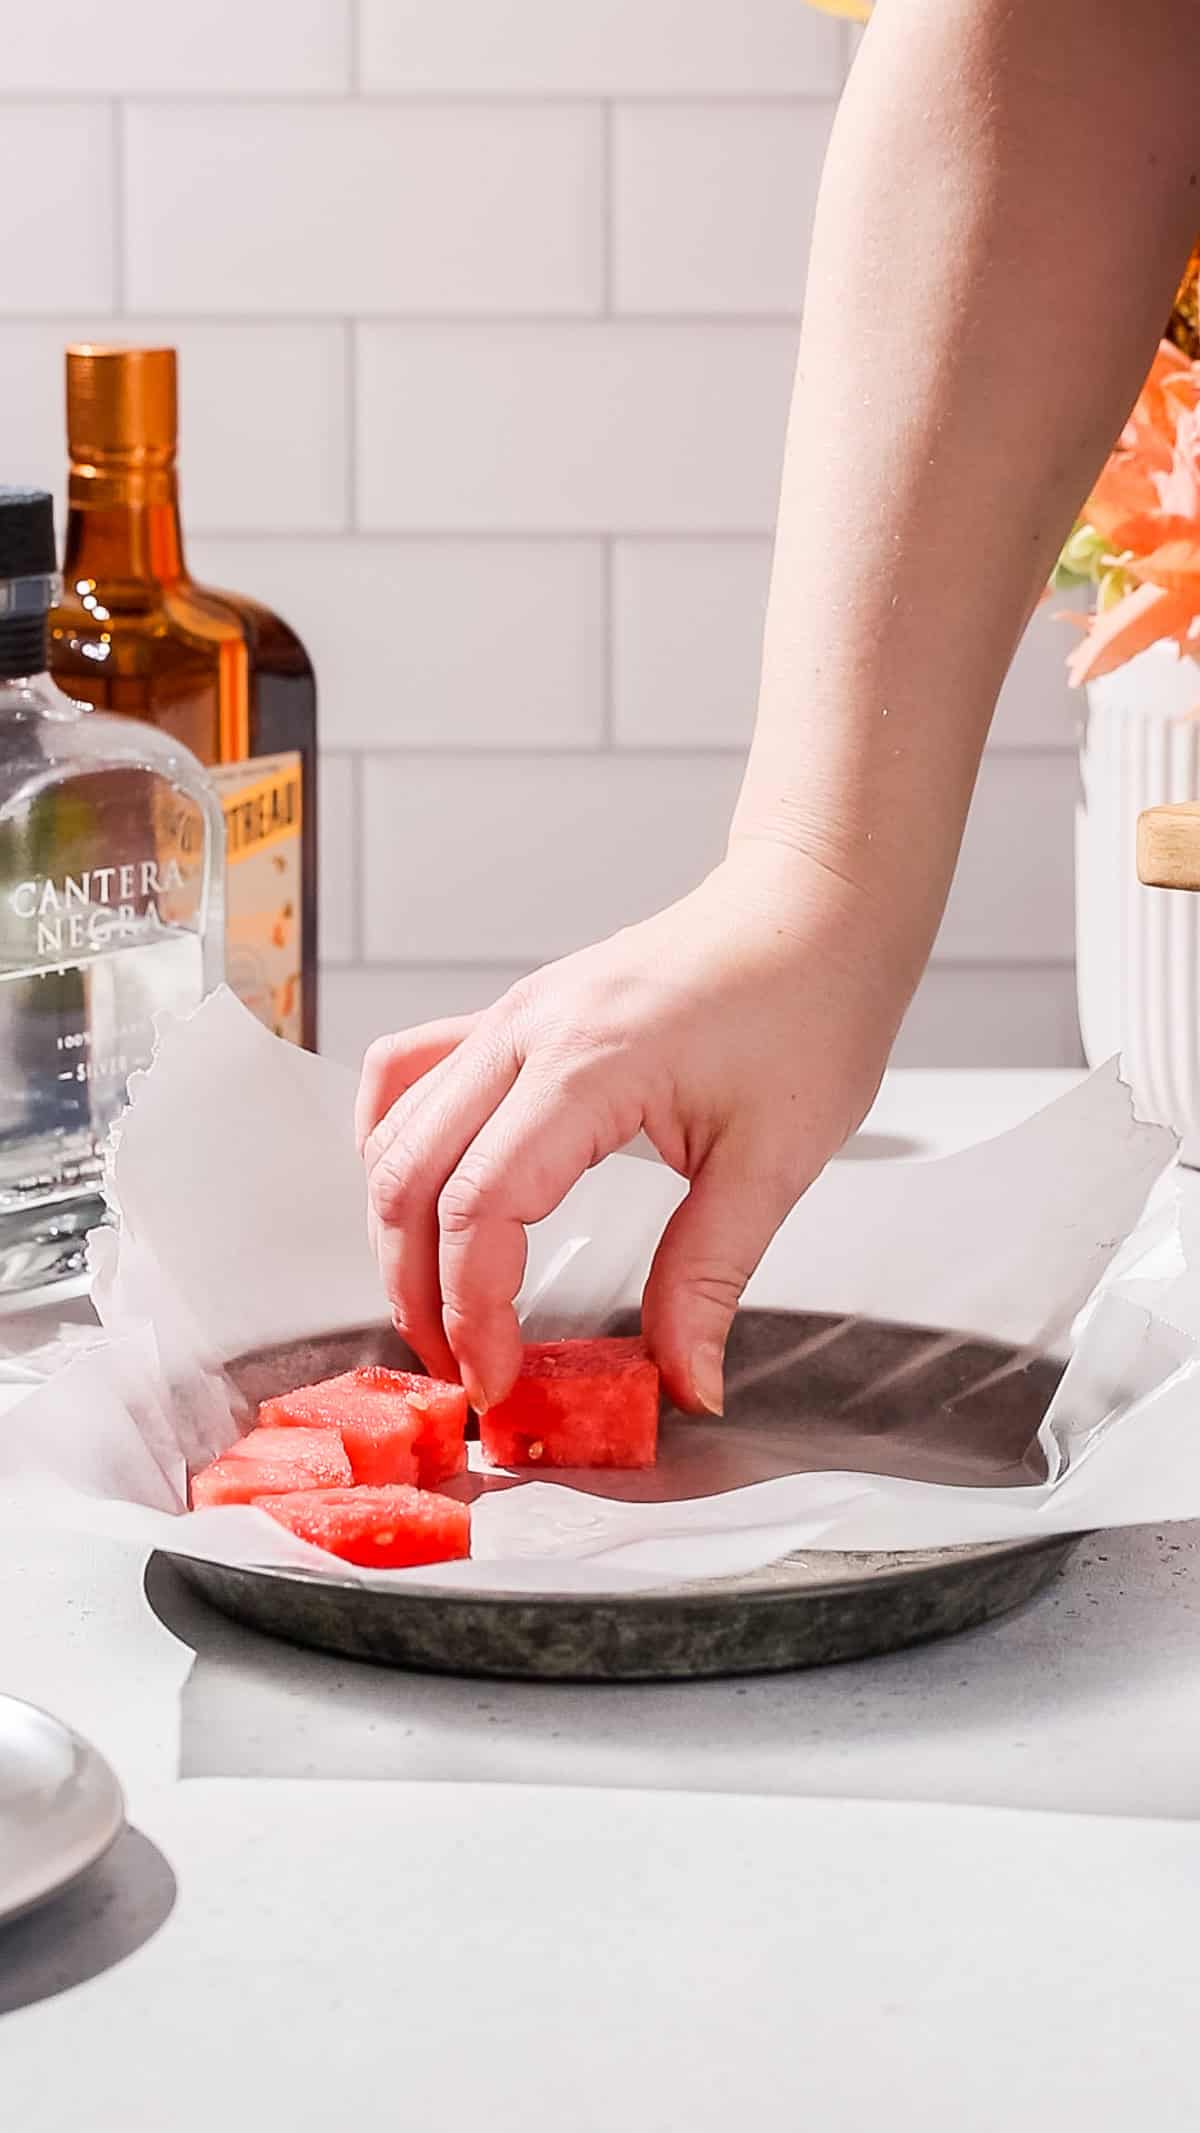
(707,1254)
(520,1165)
(393,1064)
(409,1156)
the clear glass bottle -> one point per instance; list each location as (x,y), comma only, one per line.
(111,886)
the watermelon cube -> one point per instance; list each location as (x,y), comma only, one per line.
(273,1460)
(577,1403)
(380,1529)
(396,1425)
(320,1452)
(440,1411)
(234,1481)
(381,1445)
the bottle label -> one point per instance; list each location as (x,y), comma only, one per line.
(261,799)
(102,911)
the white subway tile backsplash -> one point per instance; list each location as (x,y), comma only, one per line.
(339,835)
(960,1017)
(33,431)
(603,48)
(572,428)
(263,423)
(687,638)
(713,205)
(141,47)
(1009,1017)
(350,208)
(483,317)
(262,416)
(360,1005)
(516,861)
(56,182)
(438,644)
(1012,899)
(687,647)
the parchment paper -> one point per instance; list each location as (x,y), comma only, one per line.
(242,1223)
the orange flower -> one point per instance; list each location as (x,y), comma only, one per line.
(1141,540)
(1141,619)
(1150,430)
(1124,494)
(1175,565)
(1179,488)
(1139,535)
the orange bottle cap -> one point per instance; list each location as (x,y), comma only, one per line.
(121,405)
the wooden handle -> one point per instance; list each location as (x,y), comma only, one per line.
(1168,847)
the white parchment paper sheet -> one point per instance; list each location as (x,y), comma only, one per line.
(243,1223)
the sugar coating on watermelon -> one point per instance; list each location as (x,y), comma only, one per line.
(381,1447)
(273,1460)
(396,1426)
(319,1451)
(577,1403)
(379,1529)
(232,1480)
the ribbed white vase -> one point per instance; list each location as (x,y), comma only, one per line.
(1138,949)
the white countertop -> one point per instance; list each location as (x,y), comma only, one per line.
(563,1908)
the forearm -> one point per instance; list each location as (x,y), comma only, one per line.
(1010,194)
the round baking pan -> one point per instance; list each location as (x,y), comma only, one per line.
(860,1395)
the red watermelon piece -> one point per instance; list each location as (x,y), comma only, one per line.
(396,1425)
(273,1460)
(577,1403)
(380,1529)
(381,1446)
(320,1451)
(441,1411)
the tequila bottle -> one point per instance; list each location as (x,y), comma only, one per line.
(111,874)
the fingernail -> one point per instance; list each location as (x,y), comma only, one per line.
(474,1390)
(708,1377)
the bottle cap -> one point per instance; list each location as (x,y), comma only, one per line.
(27,552)
(121,405)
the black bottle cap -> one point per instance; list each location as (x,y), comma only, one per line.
(27,534)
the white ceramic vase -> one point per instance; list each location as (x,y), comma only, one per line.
(1138,949)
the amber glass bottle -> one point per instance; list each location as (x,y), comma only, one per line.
(134,634)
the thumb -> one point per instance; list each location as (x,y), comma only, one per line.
(708,1251)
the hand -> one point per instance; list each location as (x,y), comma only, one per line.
(744,1030)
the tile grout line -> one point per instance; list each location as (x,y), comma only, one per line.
(354,47)
(608,171)
(119,230)
(1012,966)
(441,321)
(538,536)
(608,701)
(358,870)
(350,420)
(430,100)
